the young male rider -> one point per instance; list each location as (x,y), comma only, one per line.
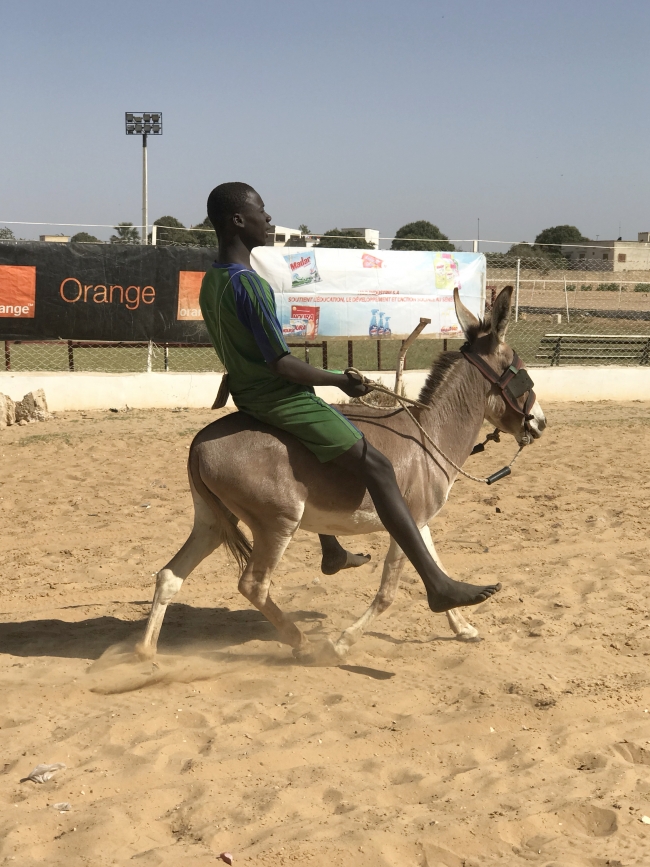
(273,386)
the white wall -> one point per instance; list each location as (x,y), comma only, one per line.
(76,391)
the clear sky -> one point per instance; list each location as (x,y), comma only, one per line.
(340,112)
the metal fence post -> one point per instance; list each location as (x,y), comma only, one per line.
(517,291)
(149,356)
(566,302)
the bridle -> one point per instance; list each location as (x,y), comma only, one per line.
(512,384)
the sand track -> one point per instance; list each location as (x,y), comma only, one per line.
(532,746)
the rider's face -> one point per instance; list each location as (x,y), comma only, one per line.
(255,220)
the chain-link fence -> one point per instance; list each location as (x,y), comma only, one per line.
(569,315)
(562,314)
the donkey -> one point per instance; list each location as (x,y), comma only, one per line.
(243,470)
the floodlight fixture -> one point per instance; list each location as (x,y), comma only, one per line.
(143,123)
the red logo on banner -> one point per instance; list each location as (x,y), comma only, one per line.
(17,291)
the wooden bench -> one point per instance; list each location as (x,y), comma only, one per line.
(572,348)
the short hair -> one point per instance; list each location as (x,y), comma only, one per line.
(225,200)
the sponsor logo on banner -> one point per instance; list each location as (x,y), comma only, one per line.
(303,268)
(309,315)
(369,261)
(17,291)
(446,270)
(189,287)
(72,290)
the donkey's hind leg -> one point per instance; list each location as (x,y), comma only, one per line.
(202,541)
(463,630)
(269,544)
(393,565)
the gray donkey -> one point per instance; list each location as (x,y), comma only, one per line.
(243,470)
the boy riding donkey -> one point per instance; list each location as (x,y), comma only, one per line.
(273,386)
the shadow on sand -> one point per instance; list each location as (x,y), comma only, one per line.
(184,624)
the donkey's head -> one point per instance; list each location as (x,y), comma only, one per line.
(509,405)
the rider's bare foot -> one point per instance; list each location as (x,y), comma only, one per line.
(334,561)
(456,594)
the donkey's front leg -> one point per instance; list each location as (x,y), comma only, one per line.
(393,565)
(463,630)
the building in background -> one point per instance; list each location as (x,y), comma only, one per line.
(282,236)
(370,235)
(55,239)
(612,255)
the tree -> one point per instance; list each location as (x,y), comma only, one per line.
(85,238)
(203,238)
(166,236)
(426,235)
(6,234)
(558,235)
(126,234)
(347,240)
(304,228)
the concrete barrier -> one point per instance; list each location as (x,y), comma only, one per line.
(86,391)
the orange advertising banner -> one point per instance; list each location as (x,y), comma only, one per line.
(17,291)
(189,287)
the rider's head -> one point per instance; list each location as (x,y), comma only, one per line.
(237,210)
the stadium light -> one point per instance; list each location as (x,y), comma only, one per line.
(143,123)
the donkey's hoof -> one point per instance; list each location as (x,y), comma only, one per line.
(468,633)
(144,652)
(318,653)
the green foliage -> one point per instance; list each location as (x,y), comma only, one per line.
(205,239)
(166,236)
(6,234)
(85,238)
(642,287)
(571,287)
(126,234)
(558,235)
(171,232)
(304,229)
(538,258)
(607,287)
(586,287)
(420,235)
(345,240)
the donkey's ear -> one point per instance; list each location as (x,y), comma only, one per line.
(466,319)
(501,313)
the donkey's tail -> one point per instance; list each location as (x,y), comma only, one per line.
(232,536)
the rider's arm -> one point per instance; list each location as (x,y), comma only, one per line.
(292,368)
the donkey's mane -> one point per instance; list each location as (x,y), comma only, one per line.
(441,371)
(444,367)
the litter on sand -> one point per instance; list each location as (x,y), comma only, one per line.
(227,857)
(63,807)
(43,773)
(645,820)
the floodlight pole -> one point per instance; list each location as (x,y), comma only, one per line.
(145,204)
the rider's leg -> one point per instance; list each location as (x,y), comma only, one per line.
(335,557)
(378,475)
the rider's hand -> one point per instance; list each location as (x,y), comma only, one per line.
(354,387)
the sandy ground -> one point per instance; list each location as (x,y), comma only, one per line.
(532,746)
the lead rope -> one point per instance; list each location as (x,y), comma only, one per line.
(377,386)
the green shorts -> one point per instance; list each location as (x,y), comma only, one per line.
(319,427)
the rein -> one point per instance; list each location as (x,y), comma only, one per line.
(515,369)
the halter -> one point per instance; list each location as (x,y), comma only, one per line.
(514,382)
